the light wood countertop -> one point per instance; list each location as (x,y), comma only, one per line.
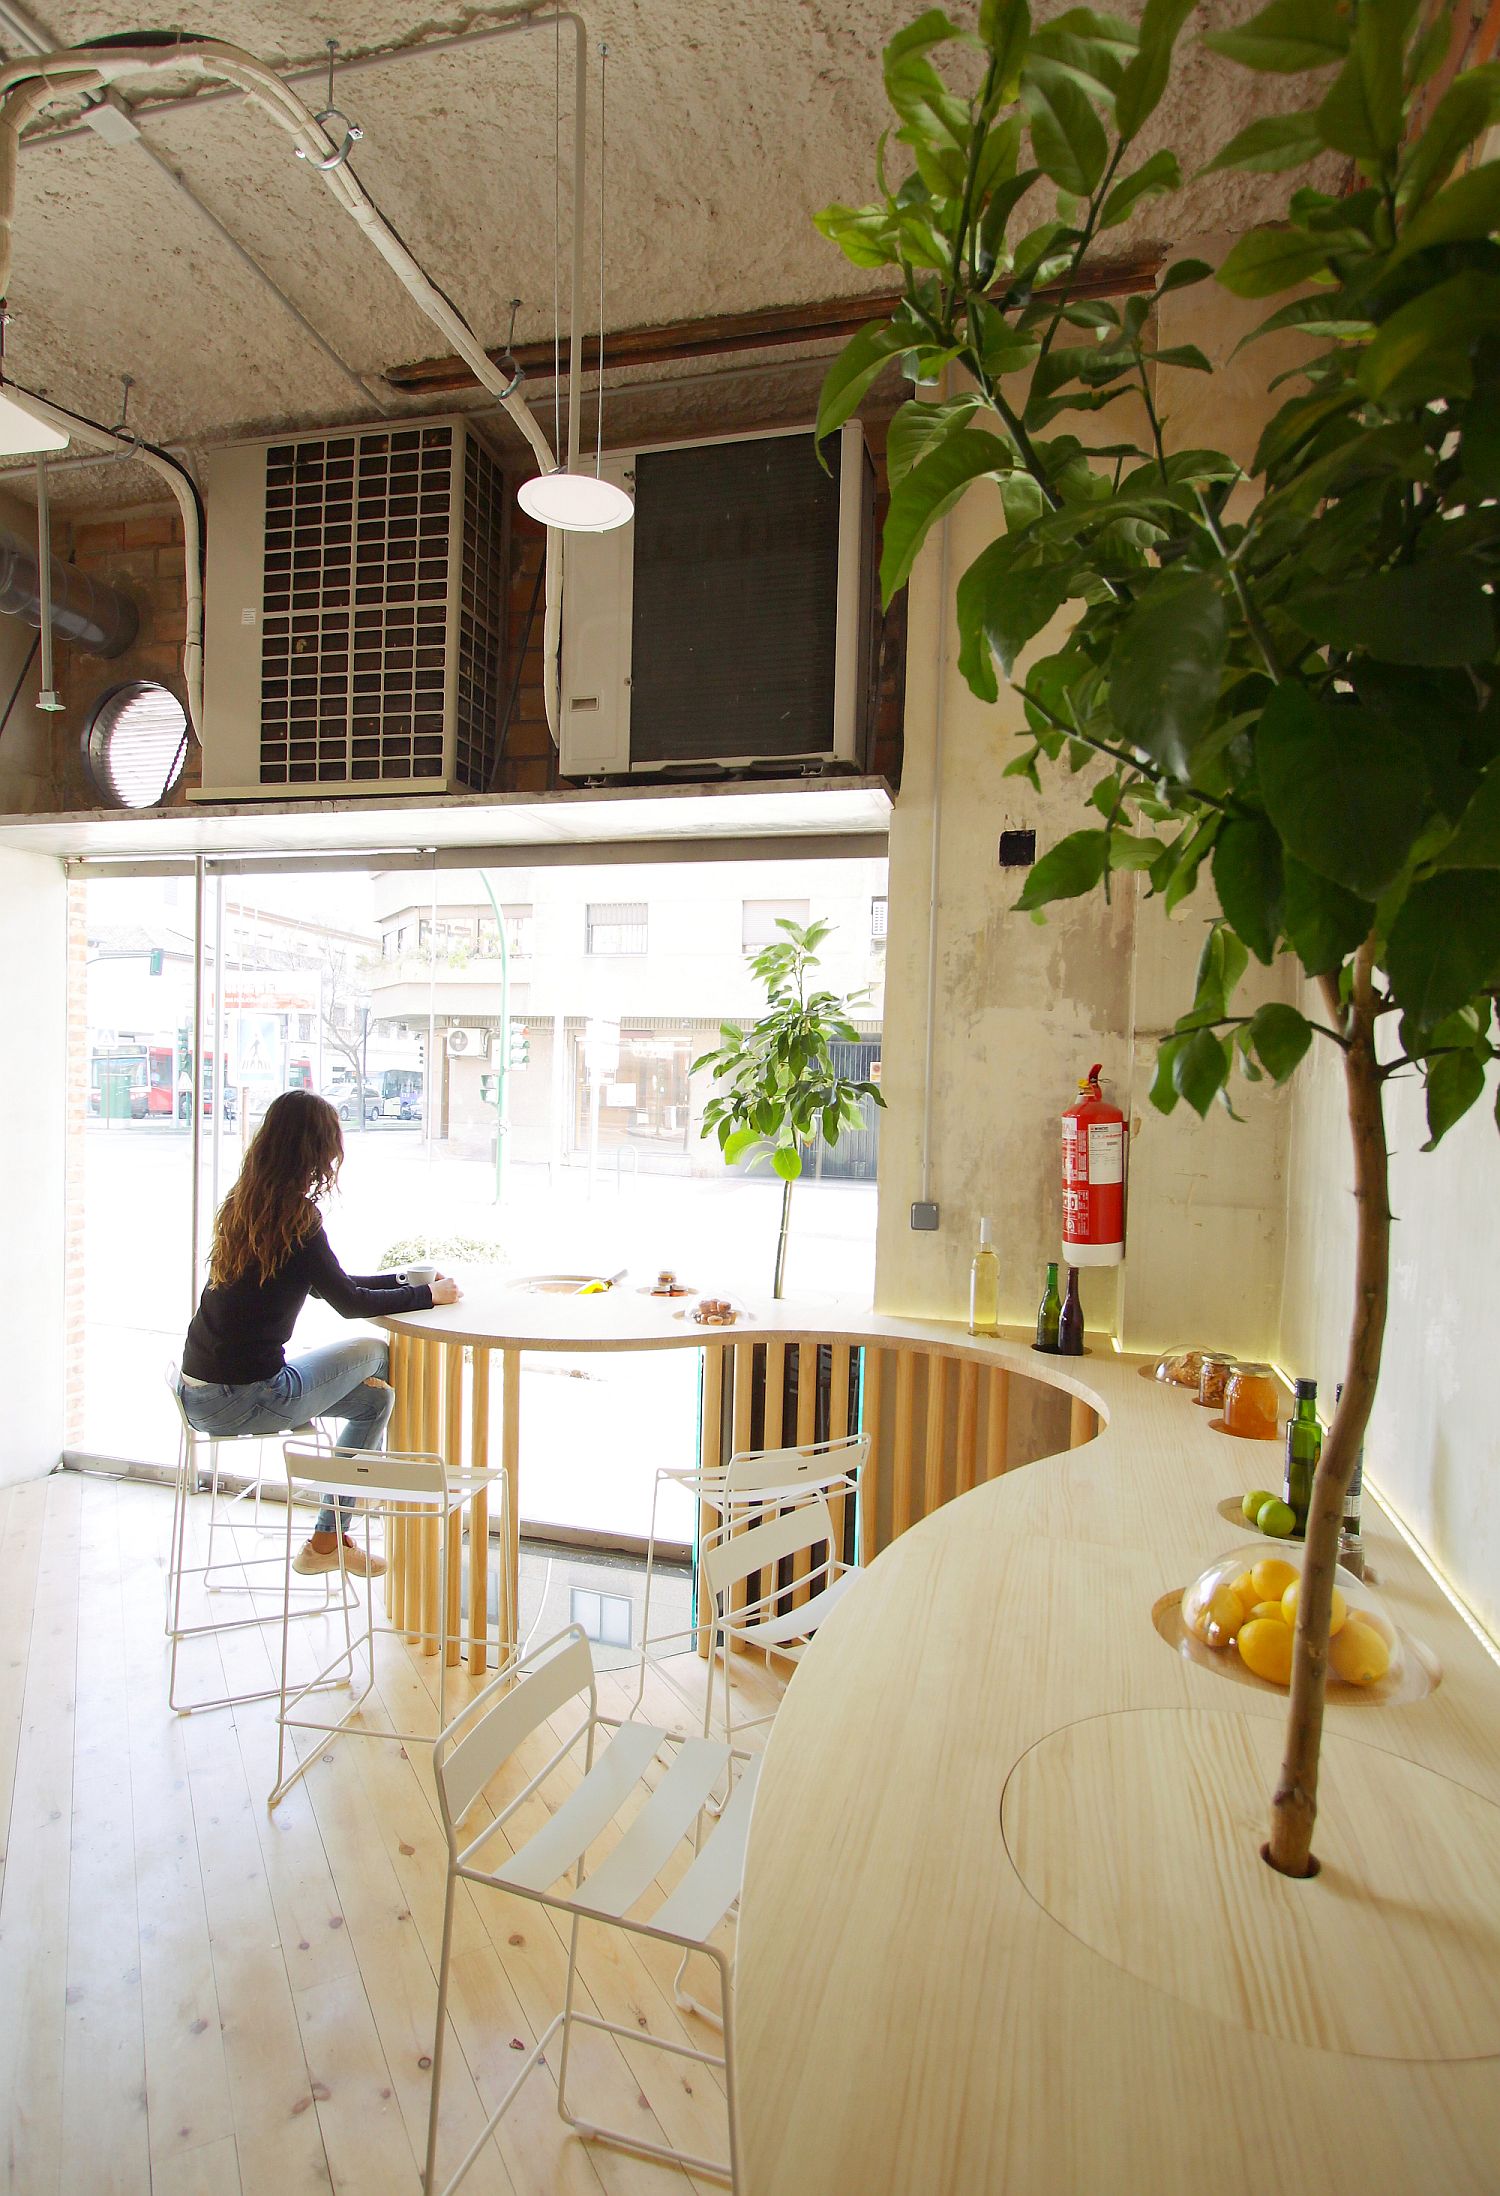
(1005,1927)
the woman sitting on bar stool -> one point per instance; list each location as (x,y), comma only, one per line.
(269,1255)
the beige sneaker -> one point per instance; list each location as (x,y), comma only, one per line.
(311,1561)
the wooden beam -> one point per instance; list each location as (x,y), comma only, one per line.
(830,320)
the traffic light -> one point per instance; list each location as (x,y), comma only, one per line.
(520,1045)
(489,1089)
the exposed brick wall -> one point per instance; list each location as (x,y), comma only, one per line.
(141,553)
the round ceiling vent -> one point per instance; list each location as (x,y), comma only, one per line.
(135,744)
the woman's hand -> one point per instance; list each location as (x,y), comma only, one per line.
(445,1290)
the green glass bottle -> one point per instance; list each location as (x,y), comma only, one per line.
(1304,1445)
(1049,1313)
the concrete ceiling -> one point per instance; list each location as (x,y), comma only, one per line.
(727,126)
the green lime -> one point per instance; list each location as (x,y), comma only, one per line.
(1276,1517)
(1255,1502)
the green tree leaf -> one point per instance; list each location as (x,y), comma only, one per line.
(1445,944)
(1265,261)
(1426,349)
(1323,922)
(1287,37)
(1164,1091)
(1165,667)
(1000,609)
(919,427)
(1153,179)
(1066,871)
(1248,879)
(1280,1036)
(1272,142)
(1434,613)
(1363,109)
(1145,79)
(928,490)
(787,1161)
(1345,789)
(1466,110)
(1476,842)
(1201,1069)
(1067,137)
(1455,1081)
(862,358)
(1005,27)
(1467,211)
(739,1142)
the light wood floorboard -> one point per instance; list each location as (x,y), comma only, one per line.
(199,1997)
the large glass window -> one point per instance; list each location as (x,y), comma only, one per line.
(514,1116)
(761,920)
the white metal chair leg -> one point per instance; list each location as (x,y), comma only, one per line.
(429,2169)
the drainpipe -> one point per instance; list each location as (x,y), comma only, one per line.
(85,611)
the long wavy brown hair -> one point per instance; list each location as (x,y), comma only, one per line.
(293,1159)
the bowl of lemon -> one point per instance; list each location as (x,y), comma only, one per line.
(1239,1617)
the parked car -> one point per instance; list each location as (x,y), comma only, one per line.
(344,1097)
(231,1104)
(404,1105)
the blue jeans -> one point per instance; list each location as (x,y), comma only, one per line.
(320,1384)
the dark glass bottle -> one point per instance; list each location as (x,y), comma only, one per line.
(1049,1313)
(1304,1445)
(1070,1325)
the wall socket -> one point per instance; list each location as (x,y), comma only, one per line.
(924,1216)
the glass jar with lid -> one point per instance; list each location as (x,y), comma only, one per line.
(1252,1402)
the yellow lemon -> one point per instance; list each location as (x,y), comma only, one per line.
(1272,1576)
(1359,1655)
(1362,1613)
(1265,1647)
(1269,1609)
(1289,1607)
(1241,1584)
(1223,1615)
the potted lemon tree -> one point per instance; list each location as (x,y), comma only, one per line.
(1281,686)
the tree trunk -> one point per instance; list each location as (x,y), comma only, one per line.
(786,1220)
(1294,1806)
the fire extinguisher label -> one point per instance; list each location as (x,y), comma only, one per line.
(1106,1150)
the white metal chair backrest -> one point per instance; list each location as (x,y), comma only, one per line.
(500,1720)
(752,1472)
(732,1553)
(411,1477)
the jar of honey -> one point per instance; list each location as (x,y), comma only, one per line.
(1213,1378)
(1252,1399)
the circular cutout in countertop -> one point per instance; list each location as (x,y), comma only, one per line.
(1139,1833)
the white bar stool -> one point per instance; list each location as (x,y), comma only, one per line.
(397,1484)
(232,1573)
(753,1481)
(672,1780)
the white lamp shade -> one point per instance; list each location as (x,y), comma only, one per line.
(577,503)
(21,435)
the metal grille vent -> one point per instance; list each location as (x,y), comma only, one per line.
(481,622)
(358,615)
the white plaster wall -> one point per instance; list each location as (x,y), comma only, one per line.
(33,1016)
(1434,1439)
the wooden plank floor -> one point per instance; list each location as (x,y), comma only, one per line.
(200,1998)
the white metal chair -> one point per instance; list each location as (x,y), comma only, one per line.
(487,1735)
(235,1573)
(752,1485)
(404,1485)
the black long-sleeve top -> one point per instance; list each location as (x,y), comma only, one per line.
(239,1333)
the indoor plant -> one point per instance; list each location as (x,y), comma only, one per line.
(777,1082)
(1299,718)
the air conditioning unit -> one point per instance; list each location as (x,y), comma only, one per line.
(463,1044)
(355,612)
(733,621)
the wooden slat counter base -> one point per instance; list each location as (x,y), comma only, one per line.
(946,1410)
(1005,1929)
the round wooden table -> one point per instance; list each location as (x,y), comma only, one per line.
(945,1413)
(1005,1926)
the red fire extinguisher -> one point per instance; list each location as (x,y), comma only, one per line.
(1093,1178)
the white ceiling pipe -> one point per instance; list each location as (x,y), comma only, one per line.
(31,82)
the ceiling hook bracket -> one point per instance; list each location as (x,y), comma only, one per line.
(351,131)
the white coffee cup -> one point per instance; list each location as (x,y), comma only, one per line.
(423,1270)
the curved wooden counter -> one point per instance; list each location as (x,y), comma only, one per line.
(1005,1928)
